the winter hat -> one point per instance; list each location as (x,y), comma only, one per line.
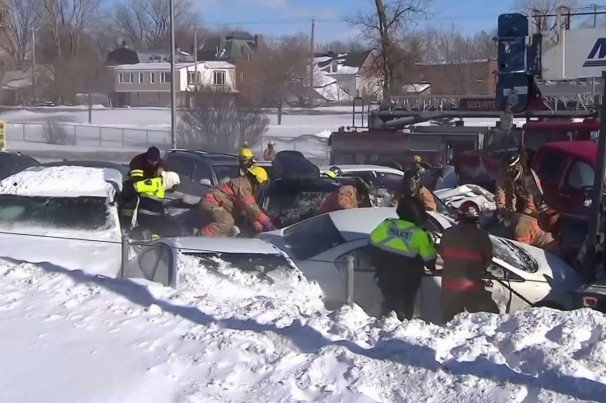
(153,154)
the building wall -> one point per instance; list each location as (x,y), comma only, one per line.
(475,78)
(146,85)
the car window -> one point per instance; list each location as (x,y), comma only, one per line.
(550,165)
(226,172)
(182,165)
(580,175)
(202,171)
(155,262)
(249,262)
(11,164)
(534,140)
(311,237)
(84,213)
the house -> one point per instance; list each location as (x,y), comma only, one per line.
(344,76)
(458,77)
(148,84)
(16,87)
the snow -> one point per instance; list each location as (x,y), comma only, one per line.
(228,337)
(53,182)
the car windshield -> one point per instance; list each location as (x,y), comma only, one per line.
(11,164)
(226,172)
(249,262)
(311,237)
(83,213)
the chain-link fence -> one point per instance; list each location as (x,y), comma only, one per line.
(125,138)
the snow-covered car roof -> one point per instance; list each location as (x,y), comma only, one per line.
(63,181)
(356,224)
(224,245)
(359,168)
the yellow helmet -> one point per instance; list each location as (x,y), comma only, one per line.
(416,159)
(329,174)
(259,173)
(246,154)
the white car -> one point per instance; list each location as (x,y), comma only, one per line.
(160,261)
(320,246)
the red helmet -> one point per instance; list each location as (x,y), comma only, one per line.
(469,210)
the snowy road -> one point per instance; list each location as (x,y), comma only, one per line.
(227,337)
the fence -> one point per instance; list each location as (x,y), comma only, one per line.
(126,138)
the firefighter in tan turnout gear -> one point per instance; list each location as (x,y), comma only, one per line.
(413,188)
(516,180)
(230,200)
(526,229)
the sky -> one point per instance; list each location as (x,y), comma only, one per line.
(277,17)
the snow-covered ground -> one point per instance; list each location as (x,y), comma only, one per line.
(227,337)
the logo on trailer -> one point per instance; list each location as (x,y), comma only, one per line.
(597,56)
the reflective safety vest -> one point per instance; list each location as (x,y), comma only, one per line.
(403,238)
(151,188)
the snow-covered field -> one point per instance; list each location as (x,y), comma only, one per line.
(130,130)
(227,337)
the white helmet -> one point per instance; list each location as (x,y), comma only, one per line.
(170,180)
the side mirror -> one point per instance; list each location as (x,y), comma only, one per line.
(206,182)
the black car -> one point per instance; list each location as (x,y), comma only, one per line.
(200,170)
(15,162)
(122,168)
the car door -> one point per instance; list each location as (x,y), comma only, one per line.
(578,176)
(549,167)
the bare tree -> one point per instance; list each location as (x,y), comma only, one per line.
(147,22)
(545,7)
(385,25)
(281,70)
(220,122)
(22,18)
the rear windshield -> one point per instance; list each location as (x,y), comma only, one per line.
(312,237)
(248,262)
(84,213)
(11,164)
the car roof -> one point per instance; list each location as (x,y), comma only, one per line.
(358,168)
(214,157)
(583,149)
(123,168)
(63,181)
(226,245)
(354,224)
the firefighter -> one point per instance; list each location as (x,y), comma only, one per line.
(466,251)
(246,158)
(400,251)
(526,229)
(333,172)
(230,200)
(347,197)
(416,164)
(413,188)
(150,162)
(270,152)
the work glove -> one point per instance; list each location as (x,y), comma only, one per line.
(268,226)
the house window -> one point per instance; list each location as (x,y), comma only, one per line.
(219,78)
(152,78)
(191,77)
(165,78)
(125,78)
(140,78)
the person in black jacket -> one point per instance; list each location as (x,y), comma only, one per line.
(149,162)
(466,250)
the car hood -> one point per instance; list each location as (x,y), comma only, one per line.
(475,193)
(550,266)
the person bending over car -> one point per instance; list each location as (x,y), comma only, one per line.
(401,249)
(230,200)
(347,197)
(413,188)
(526,229)
(149,162)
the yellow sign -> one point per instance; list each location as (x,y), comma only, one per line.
(2,139)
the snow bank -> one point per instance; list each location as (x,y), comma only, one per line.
(63,181)
(228,336)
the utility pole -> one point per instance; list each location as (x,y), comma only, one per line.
(196,57)
(595,23)
(311,60)
(34,64)
(173,93)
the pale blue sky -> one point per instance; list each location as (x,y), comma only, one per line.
(276,17)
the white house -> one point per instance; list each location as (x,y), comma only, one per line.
(148,84)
